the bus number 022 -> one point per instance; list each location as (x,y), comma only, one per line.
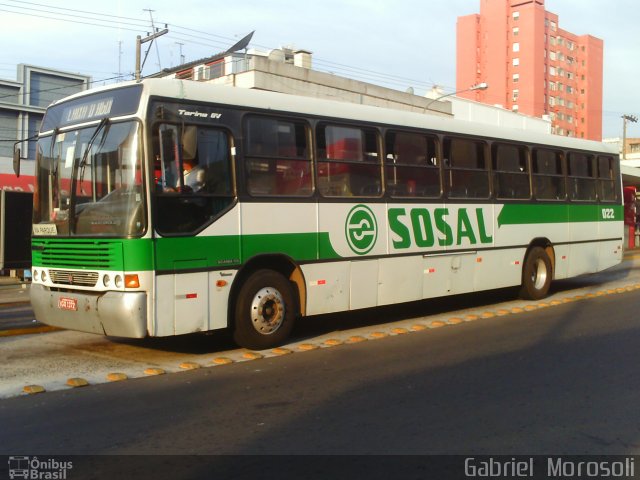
(608,213)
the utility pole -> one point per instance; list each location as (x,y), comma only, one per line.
(139,42)
(625,119)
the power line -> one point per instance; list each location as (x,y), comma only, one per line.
(196,39)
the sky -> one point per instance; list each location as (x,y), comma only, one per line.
(394,43)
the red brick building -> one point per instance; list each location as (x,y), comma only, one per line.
(532,65)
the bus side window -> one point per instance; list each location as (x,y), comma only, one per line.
(191,197)
(411,165)
(606,185)
(348,161)
(582,178)
(466,168)
(277,161)
(510,172)
(548,176)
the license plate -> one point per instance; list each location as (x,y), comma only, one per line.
(65,303)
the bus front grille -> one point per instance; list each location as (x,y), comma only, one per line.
(78,278)
(72,254)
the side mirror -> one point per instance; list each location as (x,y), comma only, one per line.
(16,161)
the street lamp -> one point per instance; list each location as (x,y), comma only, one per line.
(625,119)
(478,86)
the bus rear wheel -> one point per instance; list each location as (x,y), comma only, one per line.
(264,311)
(536,275)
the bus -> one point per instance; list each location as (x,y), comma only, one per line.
(166,207)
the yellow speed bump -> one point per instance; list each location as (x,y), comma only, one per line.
(455,321)
(189,365)
(307,346)
(332,342)
(33,389)
(117,377)
(252,355)
(488,315)
(355,339)
(77,382)
(437,324)
(378,335)
(281,351)
(222,361)
(154,371)
(399,331)
(418,327)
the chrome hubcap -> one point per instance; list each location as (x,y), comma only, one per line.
(267,310)
(539,275)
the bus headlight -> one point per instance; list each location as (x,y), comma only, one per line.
(118,281)
(36,275)
(43,276)
(106,280)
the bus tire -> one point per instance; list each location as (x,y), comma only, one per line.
(536,275)
(264,311)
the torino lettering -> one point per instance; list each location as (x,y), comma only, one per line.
(422,227)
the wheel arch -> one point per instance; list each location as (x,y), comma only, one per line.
(282,264)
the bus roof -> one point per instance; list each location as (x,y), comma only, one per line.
(192,91)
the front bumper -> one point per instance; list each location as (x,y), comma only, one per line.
(118,314)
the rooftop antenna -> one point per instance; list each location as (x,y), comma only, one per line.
(242,44)
(154,30)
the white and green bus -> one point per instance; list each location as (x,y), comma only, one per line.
(167,207)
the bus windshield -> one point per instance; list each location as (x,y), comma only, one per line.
(89,182)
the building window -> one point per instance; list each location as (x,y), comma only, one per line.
(516,62)
(516,77)
(516,15)
(516,47)
(516,31)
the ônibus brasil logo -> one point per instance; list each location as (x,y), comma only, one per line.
(361,229)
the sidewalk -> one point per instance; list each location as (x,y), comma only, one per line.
(13,290)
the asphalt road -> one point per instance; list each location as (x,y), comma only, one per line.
(561,380)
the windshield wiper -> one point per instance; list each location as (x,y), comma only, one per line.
(85,155)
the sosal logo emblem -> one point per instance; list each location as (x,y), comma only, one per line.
(361,229)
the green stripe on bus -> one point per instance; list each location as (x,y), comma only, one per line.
(178,253)
(519,214)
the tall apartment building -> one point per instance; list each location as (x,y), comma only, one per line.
(531,65)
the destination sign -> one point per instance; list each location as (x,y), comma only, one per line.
(106,104)
(87,111)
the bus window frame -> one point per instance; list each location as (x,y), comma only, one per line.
(431,139)
(497,174)
(448,169)
(572,180)
(600,179)
(344,189)
(158,194)
(308,157)
(561,156)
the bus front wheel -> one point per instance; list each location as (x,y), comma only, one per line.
(264,311)
(536,275)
